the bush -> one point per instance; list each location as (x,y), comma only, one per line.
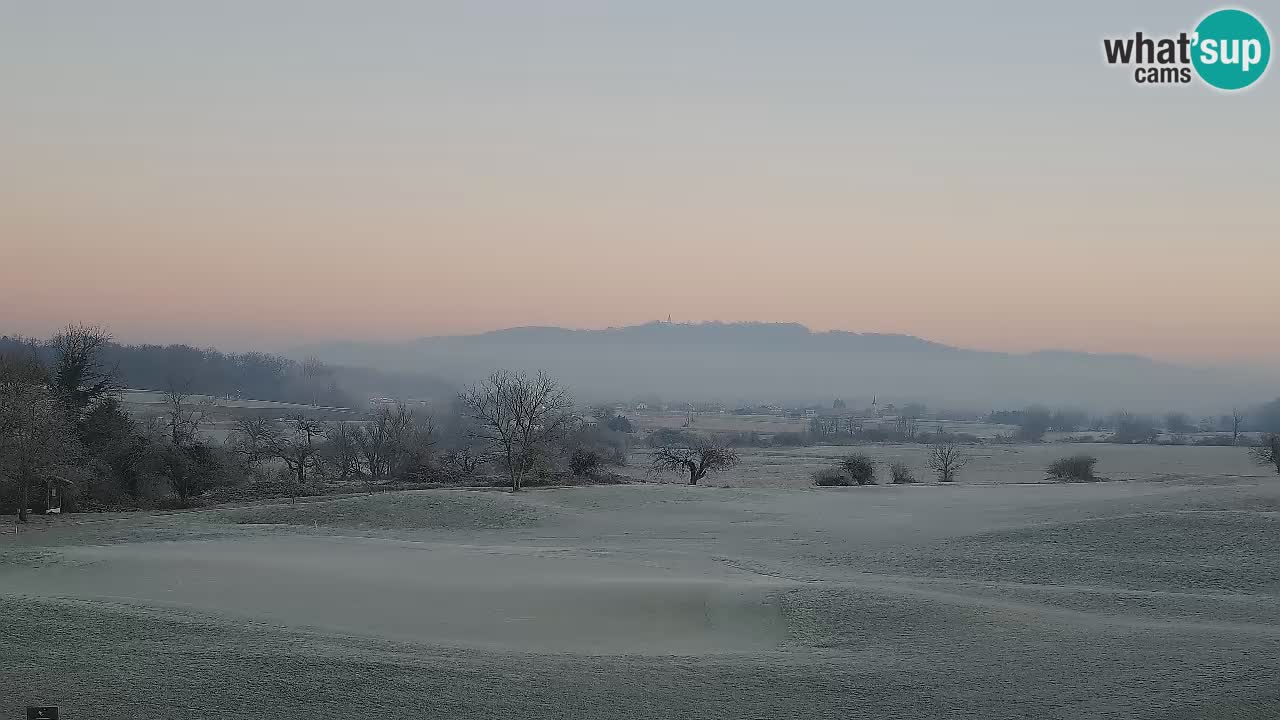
(860,468)
(831,477)
(1268,451)
(612,446)
(1076,468)
(901,474)
(585,462)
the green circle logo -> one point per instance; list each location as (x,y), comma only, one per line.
(1232,49)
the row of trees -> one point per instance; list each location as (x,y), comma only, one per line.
(1127,427)
(519,424)
(395,443)
(262,376)
(64,434)
(250,375)
(944,460)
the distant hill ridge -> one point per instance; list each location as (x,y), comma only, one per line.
(744,334)
(788,362)
(710,333)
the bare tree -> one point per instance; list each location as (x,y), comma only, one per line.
(519,416)
(314,375)
(909,419)
(188,468)
(412,438)
(946,459)
(1237,419)
(182,420)
(697,458)
(79,375)
(341,449)
(1268,453)
(463,460)
(374,439)
(186,462)
(824,426)
(250,440)
(298,447)
(908,426)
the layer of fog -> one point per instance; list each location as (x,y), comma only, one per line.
(780,364)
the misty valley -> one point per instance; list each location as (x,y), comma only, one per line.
(174,509)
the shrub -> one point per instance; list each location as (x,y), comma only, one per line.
(1268,451)
(831,477)
(611,446)
(860,468)
(585,462)
(1077,468)
(901,474)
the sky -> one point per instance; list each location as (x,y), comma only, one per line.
(249,174)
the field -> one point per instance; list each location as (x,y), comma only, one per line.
(769,424)
(218,414)
(999,597)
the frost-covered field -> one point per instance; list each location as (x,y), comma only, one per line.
(1139,599)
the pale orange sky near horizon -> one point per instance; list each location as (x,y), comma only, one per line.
(260,179)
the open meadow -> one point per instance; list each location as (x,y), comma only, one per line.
(1157,597)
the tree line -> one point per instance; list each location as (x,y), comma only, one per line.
(1127,427)
(248,375)
(67,440)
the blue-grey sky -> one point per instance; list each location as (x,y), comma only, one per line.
(252,173)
